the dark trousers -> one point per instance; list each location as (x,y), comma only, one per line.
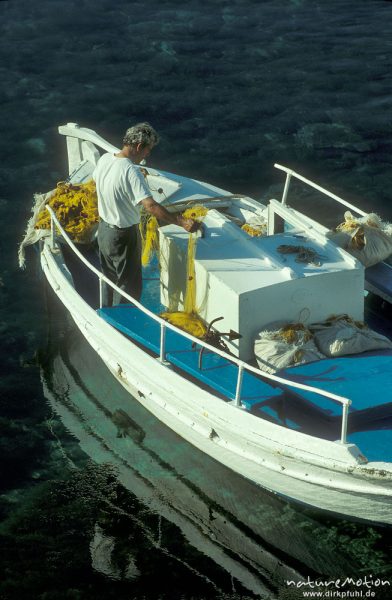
(120,257)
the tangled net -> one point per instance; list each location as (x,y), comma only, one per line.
(188,319)
(356,228)
(76,207)
(304,254)
(149,231)
(198,212)
(150,240)
(332,319)
(189,322)
(254,230)
(291,332)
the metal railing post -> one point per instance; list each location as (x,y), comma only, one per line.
(290,172)
(286,188)
(270,220)
(100,291)
(343,437)
(52,233)
(239,384)
(162,351)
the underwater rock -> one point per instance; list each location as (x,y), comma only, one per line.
(101,550)
(21,447)
(323,136)
(37,145)
(167,48)
(131,570)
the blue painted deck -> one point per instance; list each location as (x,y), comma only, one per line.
(375,444)
(216,373)
(380,276)
(366,379)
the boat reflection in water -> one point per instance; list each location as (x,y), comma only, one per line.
(258,538)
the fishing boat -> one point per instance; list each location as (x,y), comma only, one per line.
(317,429)
(244,529)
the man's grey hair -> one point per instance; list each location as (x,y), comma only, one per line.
(141,133)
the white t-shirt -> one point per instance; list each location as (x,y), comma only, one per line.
(120,189)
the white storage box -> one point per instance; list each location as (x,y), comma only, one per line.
(251,284)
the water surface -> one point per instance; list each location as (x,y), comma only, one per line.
(232,87)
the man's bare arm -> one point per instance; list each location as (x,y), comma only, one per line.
(160,213)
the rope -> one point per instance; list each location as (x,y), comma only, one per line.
(304,254)
(33,235)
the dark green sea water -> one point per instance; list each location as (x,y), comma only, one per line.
(232,87)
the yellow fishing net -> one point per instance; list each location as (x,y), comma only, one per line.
(198,212)
(289,333)
(190,292)
(189,320)
(332,319)
(191,323)
(352,226)
(76,207)
(149,231)
(350,222)
(149,235)
(254,231)
(356,228)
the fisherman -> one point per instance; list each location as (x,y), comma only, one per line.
(122,192)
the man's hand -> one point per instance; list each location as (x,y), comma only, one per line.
(162,214)
(189,225)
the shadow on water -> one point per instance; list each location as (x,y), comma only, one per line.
(159,503)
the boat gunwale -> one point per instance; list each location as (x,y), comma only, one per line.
(358,478)
(345,402)
(350,470)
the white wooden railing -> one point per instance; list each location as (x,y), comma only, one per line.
(241,365)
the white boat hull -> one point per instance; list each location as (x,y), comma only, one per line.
(323,474)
